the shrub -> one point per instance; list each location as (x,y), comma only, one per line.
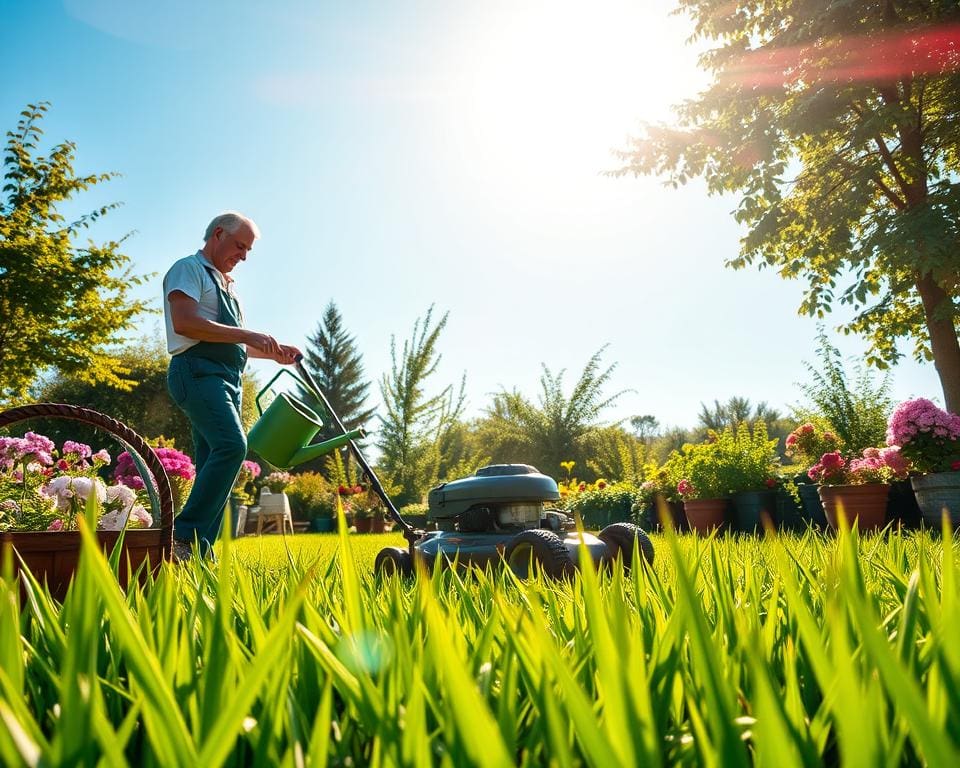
(727,462)
(603,504)
(311,495)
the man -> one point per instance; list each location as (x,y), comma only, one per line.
(209,348)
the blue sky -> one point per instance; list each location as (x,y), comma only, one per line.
(398,155)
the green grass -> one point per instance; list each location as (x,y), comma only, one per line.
(781,652)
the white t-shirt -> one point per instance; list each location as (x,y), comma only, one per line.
(189,276)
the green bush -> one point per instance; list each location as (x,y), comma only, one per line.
(415,514)
(311,495)
(727,462)
(601,506)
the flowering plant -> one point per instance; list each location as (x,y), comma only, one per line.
(177,465)
(249,471)
(876,465)
(810,441)
(277,481)
(365,503)
(43,489)
(928,436)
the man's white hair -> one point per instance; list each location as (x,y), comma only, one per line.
(230,221)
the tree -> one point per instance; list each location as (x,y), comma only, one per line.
(645,427)
(416,425)
(336,364)
(558,428)
(62,305)
(735,411)
(836,124)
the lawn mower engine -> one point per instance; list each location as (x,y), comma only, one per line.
(499,498)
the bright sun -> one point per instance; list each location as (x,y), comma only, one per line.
(545,89)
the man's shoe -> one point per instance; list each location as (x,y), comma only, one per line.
(182,550)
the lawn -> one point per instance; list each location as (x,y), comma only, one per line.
(795,650)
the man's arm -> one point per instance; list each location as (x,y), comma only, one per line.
(186,319)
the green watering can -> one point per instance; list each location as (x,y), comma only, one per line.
(283,432)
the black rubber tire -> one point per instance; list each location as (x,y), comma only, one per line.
(393,560)
(619,538)
(545,547)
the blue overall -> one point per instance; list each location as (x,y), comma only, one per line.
(205,382)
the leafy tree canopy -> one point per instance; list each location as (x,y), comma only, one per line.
(62,304)
(836,124)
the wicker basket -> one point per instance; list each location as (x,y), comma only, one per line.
(52,557)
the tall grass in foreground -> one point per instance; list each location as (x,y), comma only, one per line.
(778,652)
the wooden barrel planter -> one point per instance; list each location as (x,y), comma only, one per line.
(52,557)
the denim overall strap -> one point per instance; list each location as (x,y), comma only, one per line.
(234,356)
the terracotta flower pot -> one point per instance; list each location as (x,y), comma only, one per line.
(705,515)
(865,504)
(362,524)
(378,525)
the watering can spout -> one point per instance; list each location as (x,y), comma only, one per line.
(320,449)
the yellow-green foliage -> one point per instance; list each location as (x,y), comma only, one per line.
(792,651)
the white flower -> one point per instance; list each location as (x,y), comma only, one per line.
(65,488)
(112,521)
(139,517)
(122,496)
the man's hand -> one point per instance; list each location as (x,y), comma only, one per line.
(288,354)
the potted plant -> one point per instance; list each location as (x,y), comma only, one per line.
(242,493)
(750,463)
(703,484)
(858,486)
(654,496)
(929,439)
(323,519)
(359,513)
(805,445)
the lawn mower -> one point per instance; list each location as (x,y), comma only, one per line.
(501,513)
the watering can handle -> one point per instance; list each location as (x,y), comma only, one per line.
(276,376)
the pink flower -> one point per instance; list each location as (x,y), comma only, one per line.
(955,466)
(80,450)
(102,456)
(56,525)
(685,488)
(895,460)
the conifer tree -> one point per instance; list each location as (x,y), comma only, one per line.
(332,357)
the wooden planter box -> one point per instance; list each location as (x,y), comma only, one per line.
(52,557)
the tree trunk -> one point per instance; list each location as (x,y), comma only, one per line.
(943,339)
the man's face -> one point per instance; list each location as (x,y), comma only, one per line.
(230,248)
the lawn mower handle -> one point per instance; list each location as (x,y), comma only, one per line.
(409,532)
